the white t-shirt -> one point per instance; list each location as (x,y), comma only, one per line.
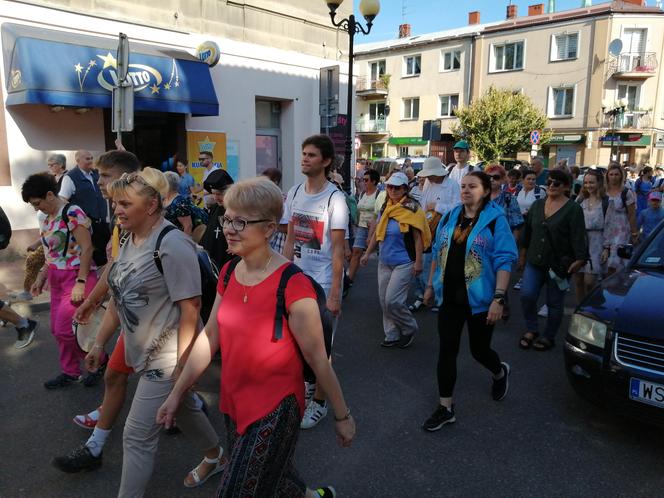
(526,200)
(314,216)
(457,173)
(68,189)
(444,196)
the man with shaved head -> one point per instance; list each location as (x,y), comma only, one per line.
(79,186)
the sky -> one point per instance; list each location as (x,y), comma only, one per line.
(427,16)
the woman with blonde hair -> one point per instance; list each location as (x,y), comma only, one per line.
(262,391)
(595,203)
(156,300)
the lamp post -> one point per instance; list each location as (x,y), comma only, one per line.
(369,9)
(613,112)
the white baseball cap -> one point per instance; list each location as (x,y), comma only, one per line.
(397,179)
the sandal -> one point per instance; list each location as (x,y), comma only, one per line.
(527,340)
(543,344)
(219,467)
(416,306)
(88,420)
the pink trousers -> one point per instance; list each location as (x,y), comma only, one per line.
(61,283)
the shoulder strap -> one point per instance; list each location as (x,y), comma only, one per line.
(155,254)
(297,189)
(623,197)
(124,238)
(281,312)
(229,270)
(605,204)
(65,217)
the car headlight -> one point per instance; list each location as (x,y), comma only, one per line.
(588,330)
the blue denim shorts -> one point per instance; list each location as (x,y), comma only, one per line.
(361,236)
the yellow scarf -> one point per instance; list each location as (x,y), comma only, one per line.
(407,218)
(115,242)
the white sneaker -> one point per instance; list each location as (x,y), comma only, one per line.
(309,390)
(21,296)
(312,415)
(543,311)
(517,286)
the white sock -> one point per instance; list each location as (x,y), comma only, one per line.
(22,323)
(97,441)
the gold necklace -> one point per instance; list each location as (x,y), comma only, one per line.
(246,293)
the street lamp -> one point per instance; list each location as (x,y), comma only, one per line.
(369,9)
(613,112)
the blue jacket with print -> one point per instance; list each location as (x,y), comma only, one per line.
(487,251)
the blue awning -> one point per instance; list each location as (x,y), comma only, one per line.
(57,68)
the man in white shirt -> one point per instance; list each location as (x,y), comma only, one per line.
(461,167)
(440,195)
(317,217)
(79,186)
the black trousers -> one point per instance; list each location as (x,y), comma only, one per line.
(451,319)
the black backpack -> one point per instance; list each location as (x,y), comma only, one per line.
(5,230)
(209,273)
(326,317)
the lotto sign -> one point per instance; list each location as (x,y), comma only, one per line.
(535,137)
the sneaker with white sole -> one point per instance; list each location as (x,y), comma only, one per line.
(517,286)
(439,418)
(26,334)
(326,492)
(543,311)
(309,390)
(21,296)
(313,414)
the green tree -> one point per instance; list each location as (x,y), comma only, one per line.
(499,124)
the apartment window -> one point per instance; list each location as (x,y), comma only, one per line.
(561,102)
(413,65)
(565,46)
(448,104)
(377,69)
(507,57)
(452,60)
(377,111)
(631,93)
(411,108)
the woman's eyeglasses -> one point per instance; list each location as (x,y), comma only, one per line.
(238,224)
(554,183)
(496,178)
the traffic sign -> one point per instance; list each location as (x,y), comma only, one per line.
(535,137)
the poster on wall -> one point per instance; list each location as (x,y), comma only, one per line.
(205,141)
(233,159)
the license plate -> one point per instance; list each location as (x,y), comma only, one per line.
(646,392)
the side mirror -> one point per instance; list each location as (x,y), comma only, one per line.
(626,251)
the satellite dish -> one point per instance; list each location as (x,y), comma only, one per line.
(615,47)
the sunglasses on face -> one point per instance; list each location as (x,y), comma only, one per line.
(496,177)
(554,183)
(238,224)
(394,187)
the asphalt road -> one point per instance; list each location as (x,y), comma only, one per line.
(542,440)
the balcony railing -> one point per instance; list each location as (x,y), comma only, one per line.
(371,126)
(367,85)
(634,64)
(630,120)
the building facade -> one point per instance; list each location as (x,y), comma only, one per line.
(601,95)
(252,106)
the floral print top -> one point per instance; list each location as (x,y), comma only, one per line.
(53,231)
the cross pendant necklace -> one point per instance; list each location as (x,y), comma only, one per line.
(246,293)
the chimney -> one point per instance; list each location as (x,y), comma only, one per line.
(536,10)
(474,17)
(404,30)
(512,11)
(635,2)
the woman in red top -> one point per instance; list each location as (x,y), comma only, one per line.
(262,390)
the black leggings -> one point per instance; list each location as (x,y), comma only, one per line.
(450,326)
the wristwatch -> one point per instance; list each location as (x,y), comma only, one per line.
(499,298)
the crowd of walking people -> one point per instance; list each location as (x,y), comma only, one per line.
(118,243)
